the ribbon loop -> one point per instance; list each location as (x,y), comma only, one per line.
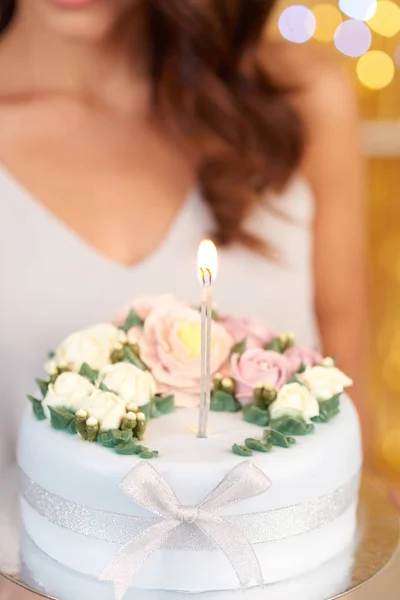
(145,486)
(243,482)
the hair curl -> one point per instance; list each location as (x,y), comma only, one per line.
(208,82)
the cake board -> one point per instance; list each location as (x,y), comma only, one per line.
(378,535)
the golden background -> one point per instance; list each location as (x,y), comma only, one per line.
(380,106)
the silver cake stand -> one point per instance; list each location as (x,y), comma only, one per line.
(376,542)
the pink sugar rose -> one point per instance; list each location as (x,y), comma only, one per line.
(144,305)
(257,366)
(298,355)
(170,347)
(256,331)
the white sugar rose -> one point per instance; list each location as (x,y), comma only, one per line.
(93,346)
(109,409)
(51,367)
(129,382)
(326,382)
(294,399)
(70,390)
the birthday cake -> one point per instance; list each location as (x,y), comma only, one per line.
(116,484)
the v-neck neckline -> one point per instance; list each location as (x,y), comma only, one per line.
(161,248)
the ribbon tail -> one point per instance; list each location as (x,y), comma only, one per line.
(133,556)
(236,547)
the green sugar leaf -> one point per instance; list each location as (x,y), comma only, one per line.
(43,386)
(274,345)
(132,320)
(328,409)
(105,439)
(158,407)
(119,437)
(240,347)
(258,445)
(257,416)
(164,405)
(72,428)
(134,359)
(241,450)
(292,425)
(149,454)
(295,379)
(89,373)
(224,402)
(37,408)
(148,410)
(62,419)
(278,439)
(129,449)
(124,444)
(302,368)
(51,355)
(104,388)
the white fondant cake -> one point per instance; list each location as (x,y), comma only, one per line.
(199,517)
(319,465)
(50,578)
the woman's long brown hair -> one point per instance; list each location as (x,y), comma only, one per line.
(207,80)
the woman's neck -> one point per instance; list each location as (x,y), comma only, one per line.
(37,60)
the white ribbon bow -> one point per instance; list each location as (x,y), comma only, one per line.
(145,486)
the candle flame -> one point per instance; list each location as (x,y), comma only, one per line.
(207,259)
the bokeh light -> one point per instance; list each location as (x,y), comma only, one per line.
(328,19)
(363,10)
(386,20)
(297,24)
(353,38)
(375,69)
(397,57)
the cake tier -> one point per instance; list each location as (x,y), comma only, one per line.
(322,465)
(50,578)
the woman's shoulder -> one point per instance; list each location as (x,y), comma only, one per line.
(318,86)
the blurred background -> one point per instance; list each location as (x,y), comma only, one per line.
(364,36)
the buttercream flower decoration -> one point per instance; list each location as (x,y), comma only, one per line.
(107,408)
(258,367)
(70,391)
(129,382)
(299,356)
(325,382)
(294,400)
(255,331)
(144,305)
(171,348)
(92,346)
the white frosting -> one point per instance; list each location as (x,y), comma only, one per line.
(89,475)
(129,382)
(294,397)
(45,575)
(92,346)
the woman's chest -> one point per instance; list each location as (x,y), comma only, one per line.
(117,184)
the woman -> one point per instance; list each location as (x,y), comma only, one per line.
(131,128)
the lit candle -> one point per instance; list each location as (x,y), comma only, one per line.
(207,265)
